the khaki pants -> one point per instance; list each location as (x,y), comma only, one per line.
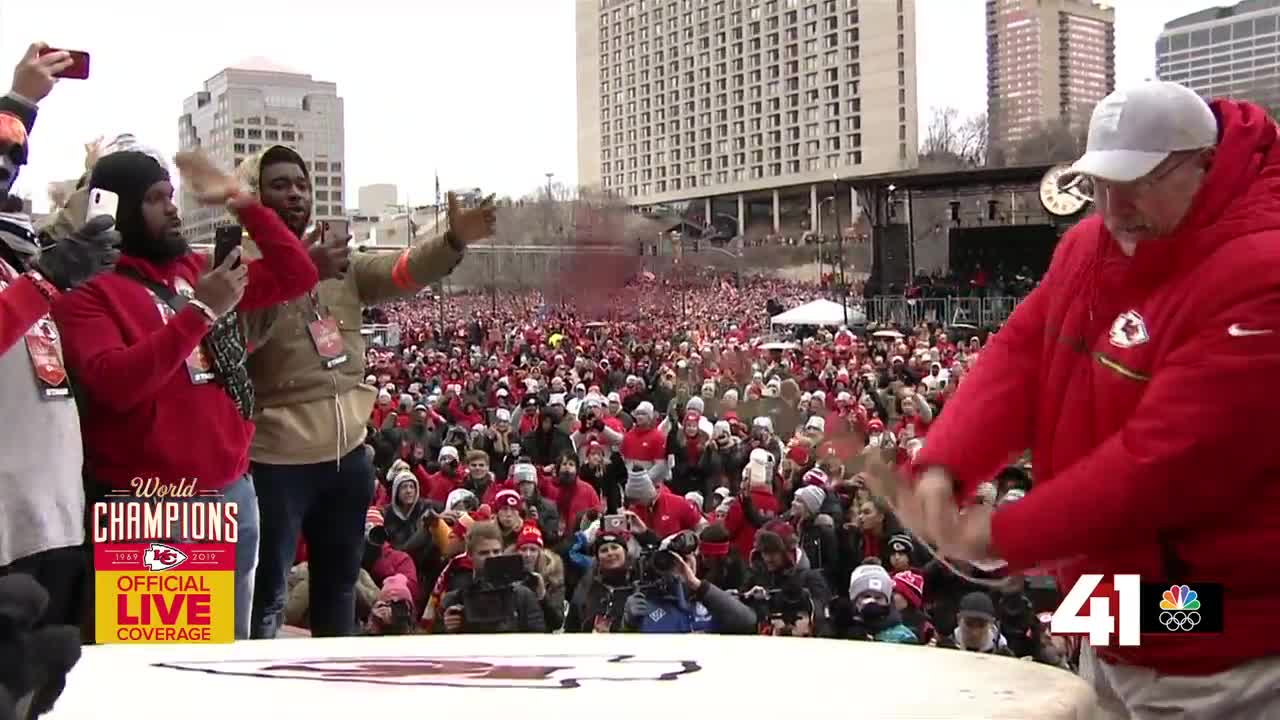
(1248,692)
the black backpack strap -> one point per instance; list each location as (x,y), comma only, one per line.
(174,300)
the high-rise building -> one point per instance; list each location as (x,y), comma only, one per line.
(692,99)
(254,105)
(1047,61)
(375,199)
(1225,51)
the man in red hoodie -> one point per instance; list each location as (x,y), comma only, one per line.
(147,342)
(1141,360)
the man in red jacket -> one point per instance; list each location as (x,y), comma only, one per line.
(153,345)
(1138,363)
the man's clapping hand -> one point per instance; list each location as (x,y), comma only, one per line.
(929,509)
(36,74)
(470,225)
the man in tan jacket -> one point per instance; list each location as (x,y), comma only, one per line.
(309,465)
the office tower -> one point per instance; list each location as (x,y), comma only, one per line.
(1048,61)
(254,105)
(682,100)
(375,199)
(1225,51)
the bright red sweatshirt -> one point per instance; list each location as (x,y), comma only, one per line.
(21,305)
(143,416)
(1144,387)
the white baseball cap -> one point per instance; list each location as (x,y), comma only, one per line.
(1134,130)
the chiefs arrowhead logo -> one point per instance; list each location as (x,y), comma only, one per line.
(547,672)
(161,557)
(1129,330)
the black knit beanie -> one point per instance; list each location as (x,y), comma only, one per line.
(129,174)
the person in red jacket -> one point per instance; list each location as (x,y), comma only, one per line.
(139,342)
(572,495)
(755,505)
(1168,296)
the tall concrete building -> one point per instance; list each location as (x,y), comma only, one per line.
(1047,61)
(375,199)
(1225,51)
(256,104)
(690,100)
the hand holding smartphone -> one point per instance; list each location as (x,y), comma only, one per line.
(101,202)
(226,239)
(79,68)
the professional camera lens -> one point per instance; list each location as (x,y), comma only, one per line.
(377,535)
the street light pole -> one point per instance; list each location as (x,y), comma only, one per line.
(835,210)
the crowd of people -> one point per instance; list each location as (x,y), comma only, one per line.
(617,459)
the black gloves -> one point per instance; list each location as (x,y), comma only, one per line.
(33,663)
(75,259)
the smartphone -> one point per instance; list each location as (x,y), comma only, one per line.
(336,229)
(226,239)
(614,523)
(79,69)
(101,202)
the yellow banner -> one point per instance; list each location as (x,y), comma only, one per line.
(191,602)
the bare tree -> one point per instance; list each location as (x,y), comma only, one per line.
(942,136)
(951,142)
(974,138)
(1053,141)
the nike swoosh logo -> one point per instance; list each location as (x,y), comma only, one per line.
(1237,331)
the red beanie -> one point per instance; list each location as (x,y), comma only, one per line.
(798,454)
(529,535)
(508,498)
(910,585)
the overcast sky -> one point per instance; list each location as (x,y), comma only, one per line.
(480,90)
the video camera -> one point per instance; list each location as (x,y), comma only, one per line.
(488,604)
(788,604)
(658,562)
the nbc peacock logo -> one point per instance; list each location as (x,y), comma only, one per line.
(1179,609)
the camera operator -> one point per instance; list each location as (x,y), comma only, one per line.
(773,567)
(787,611)
(688,604)
(495,601)
(1020,626)
(392,614)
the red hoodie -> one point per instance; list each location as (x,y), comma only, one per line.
(1140,398)
(143,417)
(742,534)
(21,305)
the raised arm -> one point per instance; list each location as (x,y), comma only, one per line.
(384,277)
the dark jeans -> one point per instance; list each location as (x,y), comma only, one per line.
(64,574)
(326,503)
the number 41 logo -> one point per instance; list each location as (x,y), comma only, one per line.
(1098,623)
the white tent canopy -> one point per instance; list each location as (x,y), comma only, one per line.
(819,312)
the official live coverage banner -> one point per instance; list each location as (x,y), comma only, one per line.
(156,592)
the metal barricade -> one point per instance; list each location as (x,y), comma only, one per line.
(964,310)
(996,310)
(907,313)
